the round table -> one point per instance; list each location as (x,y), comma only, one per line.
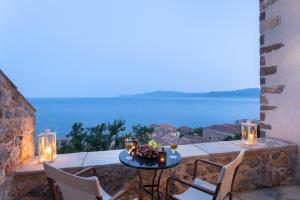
(140,163)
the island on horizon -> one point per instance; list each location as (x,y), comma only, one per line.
(247,92)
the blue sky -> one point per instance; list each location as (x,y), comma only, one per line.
(98,48)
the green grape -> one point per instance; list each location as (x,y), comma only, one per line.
(153,144)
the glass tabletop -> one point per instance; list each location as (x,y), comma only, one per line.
(150,163)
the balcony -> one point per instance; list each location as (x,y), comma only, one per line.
(270,169)
(269,164)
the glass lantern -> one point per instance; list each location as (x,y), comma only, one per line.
(47,146)
(162,156)
(249,133)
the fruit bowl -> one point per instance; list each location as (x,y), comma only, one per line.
(146,151)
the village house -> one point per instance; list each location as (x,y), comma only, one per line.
(216,133)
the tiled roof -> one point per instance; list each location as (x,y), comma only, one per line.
(226,128)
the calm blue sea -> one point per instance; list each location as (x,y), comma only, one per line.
(60,113)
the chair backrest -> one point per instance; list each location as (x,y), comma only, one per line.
(227,175)
(74,187)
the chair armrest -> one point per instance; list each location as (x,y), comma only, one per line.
(206,162)
(186,183)
(81,172)
(123,191)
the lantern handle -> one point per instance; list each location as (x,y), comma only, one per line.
(45,127)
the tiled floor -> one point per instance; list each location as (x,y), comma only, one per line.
(276,193)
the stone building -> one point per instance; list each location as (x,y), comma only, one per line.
(216,133)
(163,129)
(185,130)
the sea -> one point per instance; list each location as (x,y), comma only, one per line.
(59,114)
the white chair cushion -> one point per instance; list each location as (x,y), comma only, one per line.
(205,184)
(105,196)
(194,194)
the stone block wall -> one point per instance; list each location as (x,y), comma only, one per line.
(262,167)
(17,126)
(280,69)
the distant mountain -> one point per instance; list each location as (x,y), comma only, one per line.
(249,92)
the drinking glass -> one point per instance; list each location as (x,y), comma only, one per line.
(128,147)
(173,147)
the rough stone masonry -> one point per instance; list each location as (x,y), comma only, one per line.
(269,163)
(17,126)
(280,70)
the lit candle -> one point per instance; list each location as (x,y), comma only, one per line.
(48,152)
(162,159)
(162,156)
(251,139)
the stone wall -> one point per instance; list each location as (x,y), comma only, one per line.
(17,126)
(270,163)
(280,69)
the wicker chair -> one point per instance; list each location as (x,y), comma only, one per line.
(202,190)
(74,187)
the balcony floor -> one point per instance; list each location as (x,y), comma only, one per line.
(277,193)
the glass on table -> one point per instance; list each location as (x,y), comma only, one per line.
(173,146)
(129,147)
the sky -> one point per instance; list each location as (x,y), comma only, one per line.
(95,48)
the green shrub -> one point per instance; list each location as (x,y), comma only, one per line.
(230,138)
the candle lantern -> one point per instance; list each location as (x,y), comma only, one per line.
(162,156)
(249,133)
(47,146)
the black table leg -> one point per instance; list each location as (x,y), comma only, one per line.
(152,188)
(155,184)
(158,194)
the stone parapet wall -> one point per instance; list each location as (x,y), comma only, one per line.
(270,163)
(17,126)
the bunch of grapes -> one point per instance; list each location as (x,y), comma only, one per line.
(147,151)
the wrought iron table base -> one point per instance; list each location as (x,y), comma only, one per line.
(154,187)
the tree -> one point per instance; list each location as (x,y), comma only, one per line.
(113,130)
(97,139)
(75,141)
(198,131)
(77,137)
(142,133)
(104,136)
